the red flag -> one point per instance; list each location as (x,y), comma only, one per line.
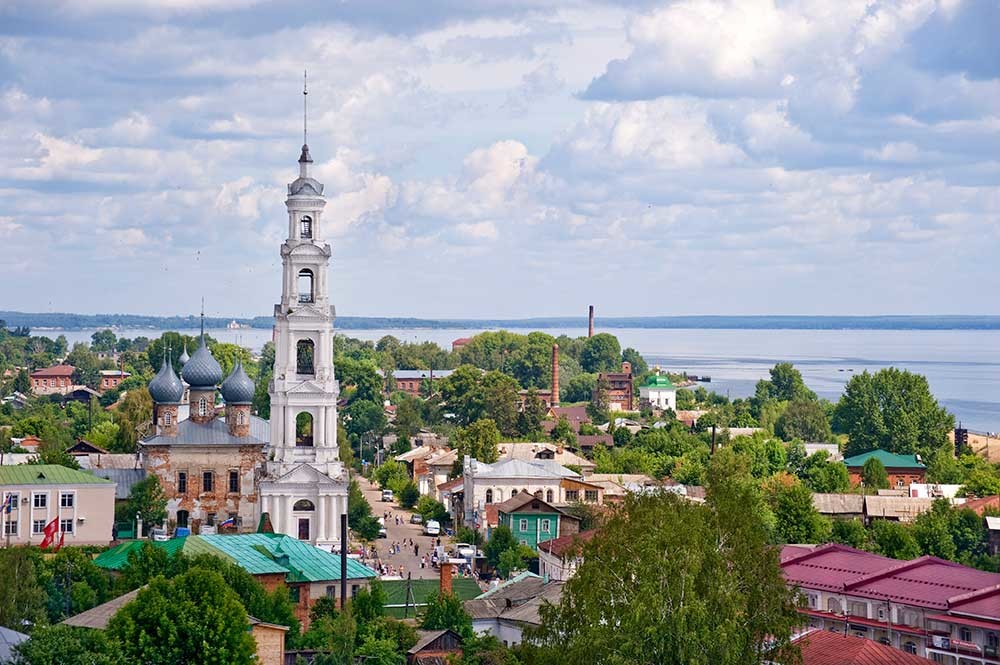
(62,539)
(50,531)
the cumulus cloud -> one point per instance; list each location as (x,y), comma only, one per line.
(804,146)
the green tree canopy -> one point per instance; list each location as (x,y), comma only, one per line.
(148,501)
(69,645)
(805,420)
(694,574)
(873,474)
(601,353)
(479,441)
(894,410)
(194,618)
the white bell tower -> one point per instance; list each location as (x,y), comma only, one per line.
(306,486)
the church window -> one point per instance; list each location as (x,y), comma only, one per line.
(202,407)
(303,505)
(240,418)
(182,482)
(306,227)
(489,496)
(304,429)
(304,356)
(548,495)
(166,418)
(207,481)
(234,482)
(306,286)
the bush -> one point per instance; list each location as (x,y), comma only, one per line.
(409,495)
(432,509)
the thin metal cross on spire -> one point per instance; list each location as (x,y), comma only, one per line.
(305,106)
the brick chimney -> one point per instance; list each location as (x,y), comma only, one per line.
(590,329)
(555,375)
(445,577)
(626,367)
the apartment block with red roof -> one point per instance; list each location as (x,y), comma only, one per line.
(928,606)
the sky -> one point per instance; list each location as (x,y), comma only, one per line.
(501,159)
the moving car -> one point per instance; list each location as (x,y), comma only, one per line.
(387,495)
(416,518)
(432,528)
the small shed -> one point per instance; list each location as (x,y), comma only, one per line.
(434,647)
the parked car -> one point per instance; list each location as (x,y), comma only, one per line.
(432,528)
(158,534)
(465,550)
(382,533)
(416,518)
(387,496)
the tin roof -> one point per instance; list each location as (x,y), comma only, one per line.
(889,460)
(257,553)
(822,647)
(47,474)
(55,370)
(214,433)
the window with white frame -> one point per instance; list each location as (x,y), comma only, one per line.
(10,527)
(910,647)
(66,499)
(546,526)
(15,499)
(37,526)
(40,500)
(965,634)
(66,525)
(522,525)
(202,407)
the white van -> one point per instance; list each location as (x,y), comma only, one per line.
(432,528)
(387,495)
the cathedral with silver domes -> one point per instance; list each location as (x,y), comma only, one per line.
(285,472)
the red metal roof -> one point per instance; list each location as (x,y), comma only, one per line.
(55,370)
(821,647)
(925,582)
(979,506)
(563,544)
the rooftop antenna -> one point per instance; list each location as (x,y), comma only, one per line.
(305,106)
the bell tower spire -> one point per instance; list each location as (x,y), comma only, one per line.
(304,466)
(304,159)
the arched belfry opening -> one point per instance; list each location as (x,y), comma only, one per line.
(304,430)
(305,357)
(306,228)
(306,285)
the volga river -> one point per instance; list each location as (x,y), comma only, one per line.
(962,366)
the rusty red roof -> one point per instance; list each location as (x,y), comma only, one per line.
(562,544)
(55,370)
(979,506)
(822,647)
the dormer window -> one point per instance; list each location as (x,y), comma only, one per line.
(306,227)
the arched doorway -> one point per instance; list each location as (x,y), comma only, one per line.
(304,429)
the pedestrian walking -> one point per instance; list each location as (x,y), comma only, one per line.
(416,550)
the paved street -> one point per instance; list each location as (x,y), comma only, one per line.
(400,533)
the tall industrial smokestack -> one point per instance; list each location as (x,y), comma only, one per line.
(590,330)
(555,375)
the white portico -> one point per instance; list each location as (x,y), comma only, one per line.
(304,491)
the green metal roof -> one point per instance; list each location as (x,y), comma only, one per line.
(889,460)
(257,553)
(47,474)
(116,557)
(661,382)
